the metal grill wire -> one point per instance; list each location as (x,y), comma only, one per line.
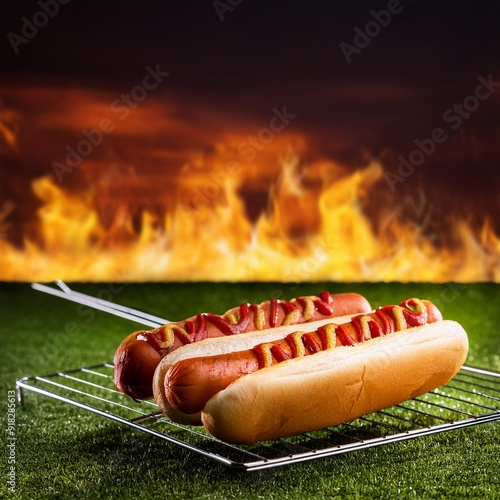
(471,397)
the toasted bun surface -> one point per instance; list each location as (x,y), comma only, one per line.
(337,385)
(222,345)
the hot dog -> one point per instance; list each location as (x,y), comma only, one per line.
(139,354)
(307,381)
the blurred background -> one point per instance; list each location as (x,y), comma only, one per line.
(233,140)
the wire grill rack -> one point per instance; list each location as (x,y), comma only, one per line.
(471,397)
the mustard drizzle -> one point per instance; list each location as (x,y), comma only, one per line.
(296,342)
(168,332)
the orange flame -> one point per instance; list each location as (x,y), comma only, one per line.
(310,232)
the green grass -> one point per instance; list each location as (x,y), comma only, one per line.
(62,452)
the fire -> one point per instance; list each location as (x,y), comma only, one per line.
(311,231)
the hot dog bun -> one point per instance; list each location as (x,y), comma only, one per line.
(185,383)
(215,346)
(337,385)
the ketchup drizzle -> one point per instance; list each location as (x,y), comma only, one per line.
(296,340)
(273,312)
(414,318)
(196,330)
(288,307)
(311,343)
(375,329)
(279,354)
(326,297)
(387,326)
(151,339)
(322,335)
(228,328)
(324,306)
(344,337)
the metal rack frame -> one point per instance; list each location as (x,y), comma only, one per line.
(472,397)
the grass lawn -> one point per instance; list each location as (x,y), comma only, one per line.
(63,452)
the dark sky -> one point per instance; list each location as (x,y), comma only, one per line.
(257,44)
(274,54)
